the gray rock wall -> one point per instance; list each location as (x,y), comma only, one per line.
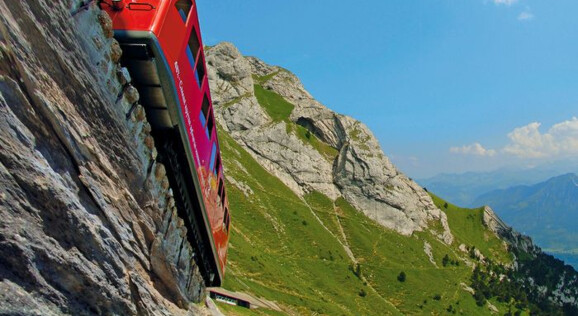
(87,222)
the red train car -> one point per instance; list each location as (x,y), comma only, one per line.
(163,51)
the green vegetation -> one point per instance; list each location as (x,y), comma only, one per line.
(279,110)
(493,281)
(314,255)
(401,276)
(384,253)
(468,228)
(273,255)
(235,100)
(309,138)
(274,104)
(355,135)
(243,311)
(262,79)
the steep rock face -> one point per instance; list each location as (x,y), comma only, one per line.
(505,232)
(358,170)
(283,154)
(367,178)
(87,223)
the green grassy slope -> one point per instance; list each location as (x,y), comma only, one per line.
(467,225)
(313,255)
(279,110)
(292,250)
(280,251)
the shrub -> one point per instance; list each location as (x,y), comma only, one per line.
(445,260)
(356,270)
(401,276)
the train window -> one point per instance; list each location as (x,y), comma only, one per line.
(200,71)
(222,192)
(210,124)
(204,114)
(213,157)
(221,189)
(191,58)
(193,52)
(223,198)
(194,44)
(184,7)
(226,220)
(217,165)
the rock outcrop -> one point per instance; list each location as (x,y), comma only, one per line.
(87,221)
(507,233)
(340,158)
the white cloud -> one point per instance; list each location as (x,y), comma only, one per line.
(528,142)
(526,16)
(475,149)
(561,140)
(505,2)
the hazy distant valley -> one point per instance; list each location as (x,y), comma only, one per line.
(530,200)
(547,211)
(463,189)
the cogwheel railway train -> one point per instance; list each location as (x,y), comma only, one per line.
(163,51)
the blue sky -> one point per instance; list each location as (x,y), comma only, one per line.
(445,85)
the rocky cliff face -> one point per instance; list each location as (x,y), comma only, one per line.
(87,222)
(505,232)
(339,156)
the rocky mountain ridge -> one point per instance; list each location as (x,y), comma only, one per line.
(357,169)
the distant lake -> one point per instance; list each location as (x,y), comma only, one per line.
(570,259)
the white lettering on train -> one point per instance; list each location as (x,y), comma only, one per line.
(189,121)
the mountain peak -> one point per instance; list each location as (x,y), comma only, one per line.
(570,177)
(311,148)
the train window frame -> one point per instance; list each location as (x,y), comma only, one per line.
(217,164)
(206,117)
(210,124)
(213,157)
(191,58)
(221,188)
(194,44)
(222,193)
(184,8)
(223,197)
(196,58)
(226,219)
(200,71)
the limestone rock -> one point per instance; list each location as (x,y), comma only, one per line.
(232,89)
(301,168)
(229,73)
(505,232)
